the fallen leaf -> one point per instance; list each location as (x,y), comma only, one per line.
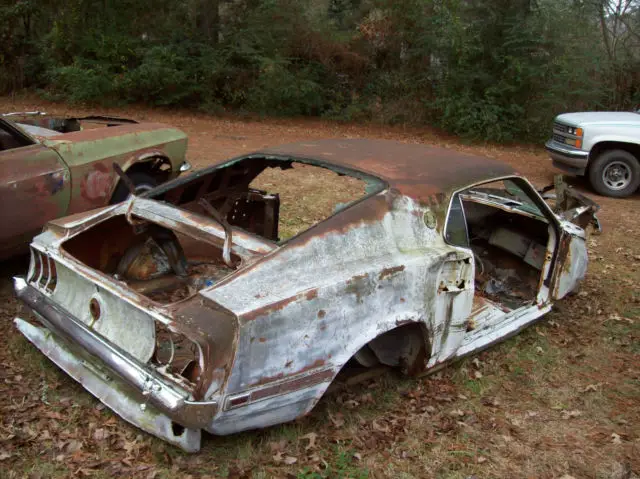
(337,420)
(380,427)
(4,455)
(312,440)
(615,438)
(74,446)
(357,456)
(590,387)
(290,460)
(481,460)
(571,414)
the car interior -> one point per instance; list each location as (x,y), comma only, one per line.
(168,266)
(509,236)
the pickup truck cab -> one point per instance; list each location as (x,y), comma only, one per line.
(604,146)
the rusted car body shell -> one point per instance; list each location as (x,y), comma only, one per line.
(278,330)
(73,172)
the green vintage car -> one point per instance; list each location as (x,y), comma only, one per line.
(52,167)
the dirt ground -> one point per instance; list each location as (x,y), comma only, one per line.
(560,400)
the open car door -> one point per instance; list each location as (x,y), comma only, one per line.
(577,215)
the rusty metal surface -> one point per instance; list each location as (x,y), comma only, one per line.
(47,178)
(266,337)
(415,170)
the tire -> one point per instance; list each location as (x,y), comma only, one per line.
(615,173)
(143,181)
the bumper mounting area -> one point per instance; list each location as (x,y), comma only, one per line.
(112,393)
(132,390)
(569,159)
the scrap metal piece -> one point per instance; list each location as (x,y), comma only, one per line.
(125,179)
(228,231)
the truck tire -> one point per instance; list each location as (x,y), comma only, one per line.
(143,181)
(615,173)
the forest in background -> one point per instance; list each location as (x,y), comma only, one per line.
(495,70)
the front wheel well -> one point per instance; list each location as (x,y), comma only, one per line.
(603,146)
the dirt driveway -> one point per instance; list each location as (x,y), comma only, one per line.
(561,399)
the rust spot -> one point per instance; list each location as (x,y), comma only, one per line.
(360,285)
(312,294)
(263,340)
(386,272)
(322,313)
(288,364)
(358,277)
(268,379)
(266,310)
(293,385)
(402,300)
(94,309)
(402,322)
(318,363)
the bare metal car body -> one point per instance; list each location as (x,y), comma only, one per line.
(428,266)
(53,166)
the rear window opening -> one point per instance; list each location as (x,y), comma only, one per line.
(274,198)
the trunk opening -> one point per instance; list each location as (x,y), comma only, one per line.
(163,265)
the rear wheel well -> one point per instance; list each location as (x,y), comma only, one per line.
(157,168)
(603,146)
(406,347)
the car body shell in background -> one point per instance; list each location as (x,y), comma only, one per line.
(57,174)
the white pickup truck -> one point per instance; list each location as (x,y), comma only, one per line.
(604,146)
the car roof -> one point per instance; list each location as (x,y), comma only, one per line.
(414,169)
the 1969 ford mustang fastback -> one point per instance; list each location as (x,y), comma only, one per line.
(53,166)
(186,309)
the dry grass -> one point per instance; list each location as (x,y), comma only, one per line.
(562,399)
(308,195)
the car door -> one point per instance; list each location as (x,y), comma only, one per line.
(577,215)
(35,187)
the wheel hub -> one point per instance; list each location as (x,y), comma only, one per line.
(616,175)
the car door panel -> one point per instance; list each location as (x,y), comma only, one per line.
(34,189)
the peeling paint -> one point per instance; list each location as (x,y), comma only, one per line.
(264,340)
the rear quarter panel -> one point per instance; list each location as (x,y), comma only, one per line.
(90,155)
(314,303)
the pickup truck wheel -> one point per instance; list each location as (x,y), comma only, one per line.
(615,173)
(143,181)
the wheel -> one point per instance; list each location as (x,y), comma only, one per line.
(615,173)
(143,181)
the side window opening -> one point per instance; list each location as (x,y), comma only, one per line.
(508,235)
(456,232)
(10,139)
